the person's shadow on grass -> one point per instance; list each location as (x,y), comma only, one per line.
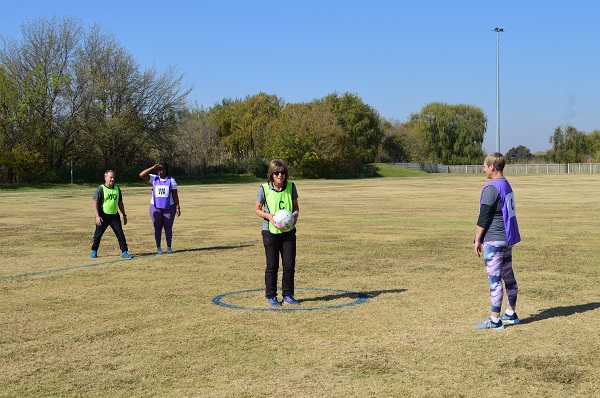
(198,249)
(560,311)
(218,247)
(352,295)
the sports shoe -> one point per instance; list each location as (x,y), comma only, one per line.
(94,254)
(159,251)
(510,319)
(489,324)
(169,251)
(290,300)
(126,255)
(274,302)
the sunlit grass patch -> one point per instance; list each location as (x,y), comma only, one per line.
(75,326)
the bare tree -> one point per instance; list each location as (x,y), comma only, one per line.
(83,97)
(197,144)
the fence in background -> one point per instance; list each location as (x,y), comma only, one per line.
(428,167)
(551,168)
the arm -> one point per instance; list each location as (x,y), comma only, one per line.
(122,208)
(477,243)
(486,216)
(295,207)
(176,200)
(258,210)
(295,211)
(489,202)
(97,212)
(145,174)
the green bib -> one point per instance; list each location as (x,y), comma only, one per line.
(110,205)
(277,201)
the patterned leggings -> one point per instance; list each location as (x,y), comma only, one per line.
(498,265)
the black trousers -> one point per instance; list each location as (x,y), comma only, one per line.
(113,221)
(283,244)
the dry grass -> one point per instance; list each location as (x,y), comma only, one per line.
(77,327)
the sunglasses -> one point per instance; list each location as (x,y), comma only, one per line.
(278,172)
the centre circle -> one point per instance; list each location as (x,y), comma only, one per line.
(227,300)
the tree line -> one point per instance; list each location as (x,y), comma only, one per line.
(72,99)
(569,145)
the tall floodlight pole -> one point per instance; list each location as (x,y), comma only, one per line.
(498,30)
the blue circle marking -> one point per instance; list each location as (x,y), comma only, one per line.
(358,298)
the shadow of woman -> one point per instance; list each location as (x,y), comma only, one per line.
(561,311)
(352,295)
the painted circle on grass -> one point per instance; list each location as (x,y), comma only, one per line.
(347,297)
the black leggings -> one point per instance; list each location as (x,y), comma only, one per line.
(276,244)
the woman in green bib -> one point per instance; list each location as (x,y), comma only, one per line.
(278,193)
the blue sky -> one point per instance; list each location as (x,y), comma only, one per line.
(397,56)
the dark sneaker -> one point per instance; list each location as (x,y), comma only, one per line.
(273,302)
(510,319)
(290,300)
(126,255)
(94,254)
(489,324)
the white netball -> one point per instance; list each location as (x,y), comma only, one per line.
(284,219)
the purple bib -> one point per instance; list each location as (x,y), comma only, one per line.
(509,213)
(161,192)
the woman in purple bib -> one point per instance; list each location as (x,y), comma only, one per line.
(164,204)
(497,232)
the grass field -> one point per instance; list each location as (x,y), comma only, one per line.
(386,275)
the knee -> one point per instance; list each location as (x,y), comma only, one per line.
(513,286)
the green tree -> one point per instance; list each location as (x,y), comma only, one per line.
(394,145)
(519,154)
(9,120)
(21,155)
(310,139)
(360,121)
(569,145)
(452,134)
(242,123)
(41,66)
(594,145)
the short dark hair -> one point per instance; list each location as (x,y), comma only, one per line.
(163,165)
(275,165)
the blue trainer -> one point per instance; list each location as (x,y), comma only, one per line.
(290,300)
(159,251)
(126,255)
(510,319)
(94,254)
(489,324)
(274,302)
(169,250)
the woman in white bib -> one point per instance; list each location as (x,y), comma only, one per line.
(164,203)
